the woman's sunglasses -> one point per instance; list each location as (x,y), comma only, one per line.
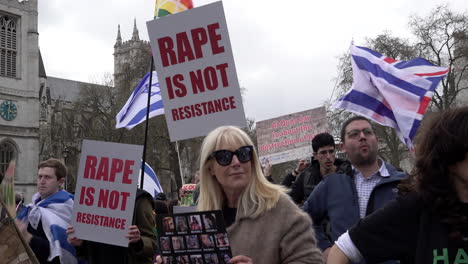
(224,156)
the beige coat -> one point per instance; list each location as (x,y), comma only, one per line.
(282,235)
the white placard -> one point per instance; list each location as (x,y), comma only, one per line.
(105,191)
(289,137)
(197,76)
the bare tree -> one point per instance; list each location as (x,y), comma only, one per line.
(251,129)
(391,148)
(441,37)
(342,84)
(95,111)
(93,116)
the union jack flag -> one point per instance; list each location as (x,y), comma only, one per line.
(390,92)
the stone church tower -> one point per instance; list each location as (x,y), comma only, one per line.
(19,88)
(131,60)
(38,114)
(33,106)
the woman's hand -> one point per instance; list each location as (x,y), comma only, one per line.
(241,260)
(72,240)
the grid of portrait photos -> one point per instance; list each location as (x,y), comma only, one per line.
(196,238)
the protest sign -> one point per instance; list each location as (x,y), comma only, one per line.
(197,76)
(289,137)
(186,198)
(13,248)
(7,188)
(197,236)
(105,191)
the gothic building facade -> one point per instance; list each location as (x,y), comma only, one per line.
(20,82)
(36,109)
(32,104)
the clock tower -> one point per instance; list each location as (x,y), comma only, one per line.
(19,89)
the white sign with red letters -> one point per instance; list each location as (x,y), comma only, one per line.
(105,191)
(193,58)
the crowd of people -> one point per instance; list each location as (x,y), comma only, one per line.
(359,210)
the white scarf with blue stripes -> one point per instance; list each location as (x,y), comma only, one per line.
(55,214)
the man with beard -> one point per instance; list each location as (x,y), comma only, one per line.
(345,198)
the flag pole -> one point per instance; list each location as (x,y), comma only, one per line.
(156,16)
(143,159)
(180,166)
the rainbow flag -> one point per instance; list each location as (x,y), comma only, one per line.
(167,7)
(7,189)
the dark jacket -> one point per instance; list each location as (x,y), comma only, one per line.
(288,180)
(270,179)
(309,178)
(40,244)
(408,229)
(140,252)
(335,200)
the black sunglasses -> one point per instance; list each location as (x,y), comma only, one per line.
(224,156)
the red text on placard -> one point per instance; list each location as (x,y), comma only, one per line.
(105,169)
(188,48)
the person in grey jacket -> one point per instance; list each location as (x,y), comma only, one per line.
(345,198)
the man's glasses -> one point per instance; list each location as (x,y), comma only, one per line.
(224,156)
(355,133)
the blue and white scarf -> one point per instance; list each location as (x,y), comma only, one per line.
(55,214)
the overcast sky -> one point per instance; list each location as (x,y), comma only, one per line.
(285,51)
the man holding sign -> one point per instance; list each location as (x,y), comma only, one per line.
(112,222)
(43,222)
(140,236)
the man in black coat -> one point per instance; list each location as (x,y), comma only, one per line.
(323,163)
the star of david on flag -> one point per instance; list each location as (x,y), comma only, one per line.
(390,92)
(134,110)
(151,183)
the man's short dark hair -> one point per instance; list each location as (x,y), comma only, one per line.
(348,121)
(322,140)
(57,165)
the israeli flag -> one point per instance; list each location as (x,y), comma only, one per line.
(134,110)
(151,182)
(390,92)
(54,212)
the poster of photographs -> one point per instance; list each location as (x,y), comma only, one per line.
(196,238)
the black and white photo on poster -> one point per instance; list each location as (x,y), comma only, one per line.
(194,237)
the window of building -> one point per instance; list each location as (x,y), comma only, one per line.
(7,153)
(8,45)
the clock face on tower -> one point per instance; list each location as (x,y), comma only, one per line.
(8,110)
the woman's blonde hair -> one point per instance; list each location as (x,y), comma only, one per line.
(258,197)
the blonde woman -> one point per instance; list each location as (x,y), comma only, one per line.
(263,224)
